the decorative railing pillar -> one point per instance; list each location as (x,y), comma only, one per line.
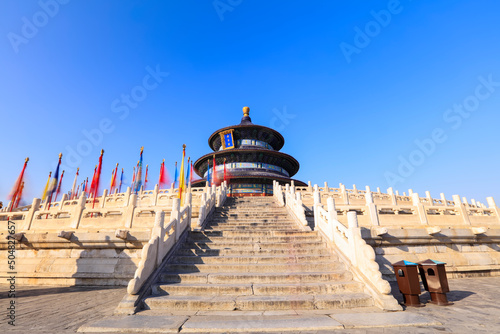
(35,206)
(103,198)
(344,193)
(176,208)
(129,211)
(78,210)
(443,199)
(420,208)
(126,199)
(372,208)
(159,231)
(493,205)
(394,200)
(462,209)
(64,198)
(155,195)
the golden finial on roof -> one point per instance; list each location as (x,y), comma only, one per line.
(246,111)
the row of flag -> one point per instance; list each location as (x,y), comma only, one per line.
(52,188)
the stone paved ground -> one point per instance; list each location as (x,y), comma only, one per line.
(63,310)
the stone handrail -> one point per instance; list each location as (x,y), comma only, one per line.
(354,250)
(345,196)
(210,199)
(293,201)
(163,238)
(378,209)
(119,210)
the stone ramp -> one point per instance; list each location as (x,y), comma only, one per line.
(253,257)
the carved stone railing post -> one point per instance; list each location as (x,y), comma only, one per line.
(159,230)
(35,206)
(462,209)
(61,203)
(492,205)
(429,198)
(443,199)
(344,193)
(176,215)
(129,211)
(76,215)
(420,208)
(103,198)
(126,199)
(394,200)
(155,195)
(372,208)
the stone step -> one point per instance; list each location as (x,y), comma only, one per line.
(256,278)
(270,233)
(253,259)
(251,210)
(181,289)
(249,252)
(251,219)
(263,227)
(250,239)
(255,246)
(288,224)
(256,303)
(254,267)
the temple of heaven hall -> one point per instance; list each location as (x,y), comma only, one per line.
(246,156)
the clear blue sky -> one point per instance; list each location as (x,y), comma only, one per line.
(351,85)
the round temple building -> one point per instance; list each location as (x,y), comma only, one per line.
(248,157)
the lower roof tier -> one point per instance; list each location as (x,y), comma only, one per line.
(275,158)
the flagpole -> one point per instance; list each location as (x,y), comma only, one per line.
(74,185)
(181,176)
(96,183)
(59,186)
(44,195)
(121,180)
(17,185)
(54,183)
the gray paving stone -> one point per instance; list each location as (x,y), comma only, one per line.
(386,319)
(136,323)
(202,324)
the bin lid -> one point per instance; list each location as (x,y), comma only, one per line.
(430,262)
(405,263)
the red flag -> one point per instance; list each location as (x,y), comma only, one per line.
(215,179)
(97,178)
(59,186)
(146,178)
(225,169)
(15,195)
(92,184)
(164,178)
(19,195)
